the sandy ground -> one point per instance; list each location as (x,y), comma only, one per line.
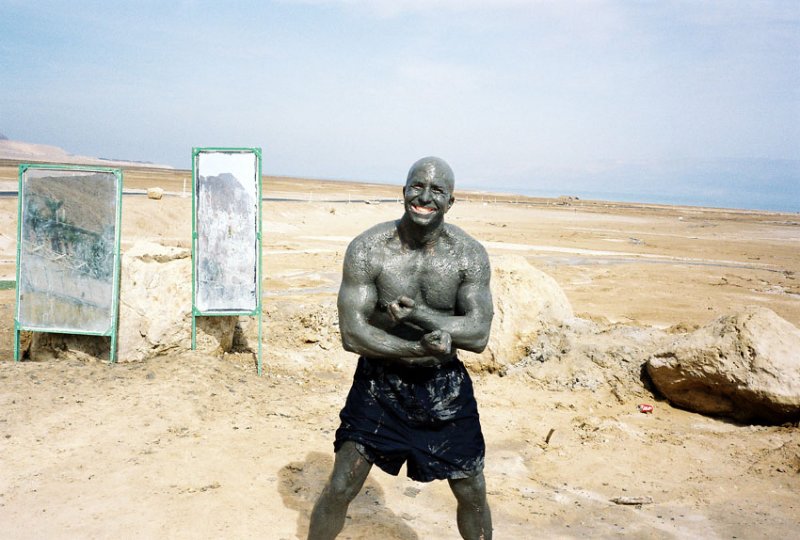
(197,446)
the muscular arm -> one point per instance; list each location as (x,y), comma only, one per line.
(358,297)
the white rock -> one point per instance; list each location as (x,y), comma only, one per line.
(745,366)
(156,306)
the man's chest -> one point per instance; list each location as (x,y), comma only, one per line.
(428,277)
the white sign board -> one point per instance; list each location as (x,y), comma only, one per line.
(226,250)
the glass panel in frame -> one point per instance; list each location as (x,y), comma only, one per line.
(68,249)
(226,190)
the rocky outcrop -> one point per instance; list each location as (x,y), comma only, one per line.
(744,366)
(155,315)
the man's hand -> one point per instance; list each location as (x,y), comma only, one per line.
(437,343)
(401,309)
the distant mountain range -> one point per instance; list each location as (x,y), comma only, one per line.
(43,153)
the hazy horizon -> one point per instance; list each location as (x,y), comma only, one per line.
(660,101)
(671,173)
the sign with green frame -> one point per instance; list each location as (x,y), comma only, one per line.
(68,251)
(226,234)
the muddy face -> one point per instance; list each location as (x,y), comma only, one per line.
(428,193)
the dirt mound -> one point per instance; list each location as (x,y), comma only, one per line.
(582,355)
(526,302)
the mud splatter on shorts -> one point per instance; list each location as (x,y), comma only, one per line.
(424,417)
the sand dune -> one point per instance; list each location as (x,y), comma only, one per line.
(43,153)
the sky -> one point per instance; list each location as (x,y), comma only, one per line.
(693,102)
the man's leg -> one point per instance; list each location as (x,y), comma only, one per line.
(350,470)
(474,517)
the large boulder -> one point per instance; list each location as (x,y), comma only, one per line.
(526,302)
(744,366)
(155,315)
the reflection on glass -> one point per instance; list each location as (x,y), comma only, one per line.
(67,247)
(226,225)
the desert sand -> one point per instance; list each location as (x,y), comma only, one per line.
(197,445)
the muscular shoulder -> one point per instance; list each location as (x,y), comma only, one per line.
(376,236)
(463,242)
(472,254)
(366,250)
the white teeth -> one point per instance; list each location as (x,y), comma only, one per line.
(422,210)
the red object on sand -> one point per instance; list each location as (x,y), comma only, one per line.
(645,408)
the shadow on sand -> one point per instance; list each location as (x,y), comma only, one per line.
(300,482)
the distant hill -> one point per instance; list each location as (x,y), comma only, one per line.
(43,153)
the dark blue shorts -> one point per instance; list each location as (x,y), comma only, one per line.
(424,417)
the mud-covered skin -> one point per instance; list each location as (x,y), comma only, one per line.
(414,291)
(393,295)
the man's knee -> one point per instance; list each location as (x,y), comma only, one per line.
(343,487)
(470,490)
(349,472)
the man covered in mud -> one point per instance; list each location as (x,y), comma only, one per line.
(413,292)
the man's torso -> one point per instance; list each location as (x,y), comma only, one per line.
(431,276)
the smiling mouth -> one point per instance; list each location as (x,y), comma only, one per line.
(422,210)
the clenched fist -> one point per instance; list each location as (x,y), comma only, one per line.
(401,308)
(437,342)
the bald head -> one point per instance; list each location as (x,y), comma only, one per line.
(432,167)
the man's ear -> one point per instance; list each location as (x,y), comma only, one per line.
(450,203)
